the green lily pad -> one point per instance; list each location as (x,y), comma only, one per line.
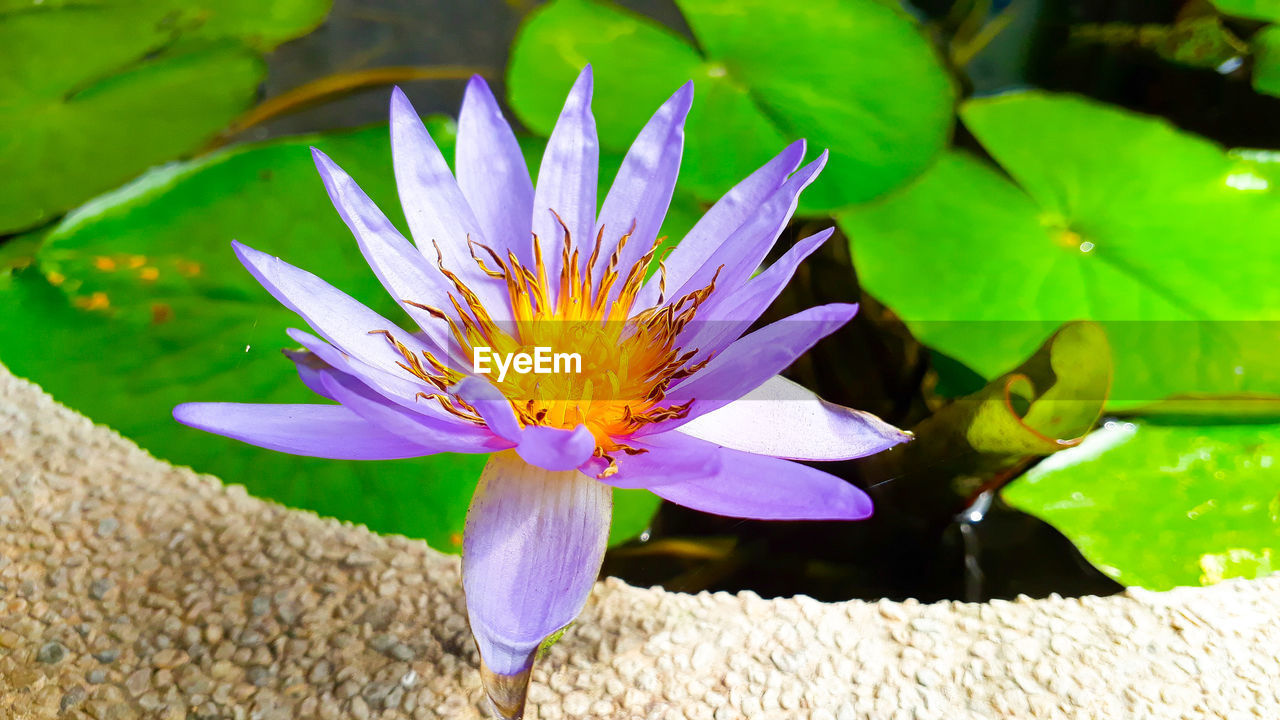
(1162,506)
(1266,60)
(148,81)
(765,73)
(152,309)
(1168,241)
(1267,10)
(1047,404)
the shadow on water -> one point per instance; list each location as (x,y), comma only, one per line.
(1004,554)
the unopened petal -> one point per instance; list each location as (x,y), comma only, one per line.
(547,447)
(532,548)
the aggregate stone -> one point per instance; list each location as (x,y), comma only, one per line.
(107,526)
(197,601)
(51,652)
(72,698)
(260,606)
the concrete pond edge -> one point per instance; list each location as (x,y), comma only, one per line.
(130,588)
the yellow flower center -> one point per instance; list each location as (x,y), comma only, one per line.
(626,362)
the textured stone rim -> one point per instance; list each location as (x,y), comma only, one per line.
(130,588)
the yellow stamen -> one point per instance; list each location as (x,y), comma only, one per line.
(628,360)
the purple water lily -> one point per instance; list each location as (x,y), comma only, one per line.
(668,393)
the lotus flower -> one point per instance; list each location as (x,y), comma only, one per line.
(669,396)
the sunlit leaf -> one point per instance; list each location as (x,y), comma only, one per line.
(856,77)
(1266,60)
(1162,506)
(1170,242)
(1268,10)
(94,93)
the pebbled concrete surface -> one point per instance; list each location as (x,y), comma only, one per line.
(133,589)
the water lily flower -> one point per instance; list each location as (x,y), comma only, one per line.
(671,394)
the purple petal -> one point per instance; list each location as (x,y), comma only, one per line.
(310,368)
(783,419)
(403,271)
(668,457)
(394,387)
(749,362)
(747,247)
(767,488)
(532,548)
(546,447)
(402,392)
(324,431)
(433,204)
(641,193)
(412,426)
(554,448)
(567,180)
(332,313)
(722,220)
(492,173)
(492,405)
(725,316)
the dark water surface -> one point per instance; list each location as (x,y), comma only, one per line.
(364,34)
(1006,554)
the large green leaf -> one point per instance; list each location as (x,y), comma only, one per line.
(854,76)
(1266,60)
(1172,243)
(152,309)
(1162,506)
(1268,10)
(148,81)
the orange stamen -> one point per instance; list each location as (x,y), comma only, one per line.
(628,360)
